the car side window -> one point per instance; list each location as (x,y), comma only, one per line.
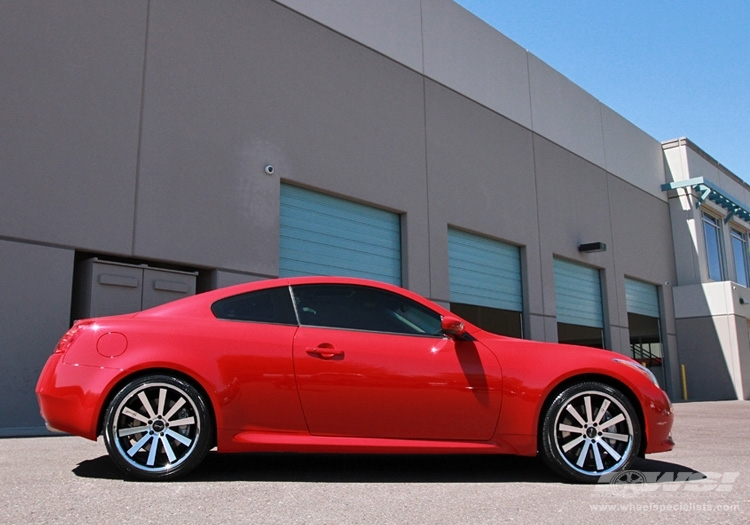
(357,307)
(273,305)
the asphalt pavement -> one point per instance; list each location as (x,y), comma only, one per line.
(705,479)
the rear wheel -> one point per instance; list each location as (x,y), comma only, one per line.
(157,428)
(591,429)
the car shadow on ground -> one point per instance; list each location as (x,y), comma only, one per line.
(355,468)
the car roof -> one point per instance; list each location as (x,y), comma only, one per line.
(198,304)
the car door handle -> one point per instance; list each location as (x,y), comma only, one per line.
(325,351)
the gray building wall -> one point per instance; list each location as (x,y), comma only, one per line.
(35,292)
(711,317)
(140,130)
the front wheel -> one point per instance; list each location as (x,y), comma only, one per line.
(157,428)
(590,429)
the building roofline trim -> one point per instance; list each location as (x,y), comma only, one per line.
(686,142)
(709,190)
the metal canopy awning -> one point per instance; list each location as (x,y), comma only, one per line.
(708,190)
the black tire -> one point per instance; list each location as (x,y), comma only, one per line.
(590,429)
(157,428)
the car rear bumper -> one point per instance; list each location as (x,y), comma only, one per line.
(70,396)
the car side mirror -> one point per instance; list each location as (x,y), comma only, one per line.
(453,326)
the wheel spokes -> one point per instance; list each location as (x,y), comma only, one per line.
(593,432)
(179,437)
(612,422)
(568,428)
(572,411)
(582,455)
(182,422)
(616,437)
(124,432)
(135,415)
(602,411)
(587,403)
(146,404)
(152,451)
(157,427)
(572,444)
(612,452)
(597,455)
(175,408)
(138,445)
(168,449)
(162,400)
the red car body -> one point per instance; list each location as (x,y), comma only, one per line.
(305,388)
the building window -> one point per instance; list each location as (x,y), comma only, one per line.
(714,251)
(642,300)
(572,334)
(495,320)
(645,343)
(739,250)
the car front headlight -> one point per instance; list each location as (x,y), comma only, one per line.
(642,369)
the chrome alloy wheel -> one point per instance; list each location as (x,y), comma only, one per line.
(157,428)
(590,430)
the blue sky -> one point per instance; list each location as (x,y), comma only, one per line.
(674,69)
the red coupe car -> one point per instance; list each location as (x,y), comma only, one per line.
(341,365)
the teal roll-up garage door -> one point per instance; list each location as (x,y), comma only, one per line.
(484,272)
(578,294)
(325,235)
(642,298)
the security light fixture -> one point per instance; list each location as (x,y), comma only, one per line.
(591,247)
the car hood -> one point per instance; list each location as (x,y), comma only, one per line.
(552,356)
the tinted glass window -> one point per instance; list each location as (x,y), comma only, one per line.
(273,305)
(363,308)
(573,334)
(739,249)
(714,253)
(495,320)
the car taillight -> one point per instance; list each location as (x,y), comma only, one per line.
(71,335)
